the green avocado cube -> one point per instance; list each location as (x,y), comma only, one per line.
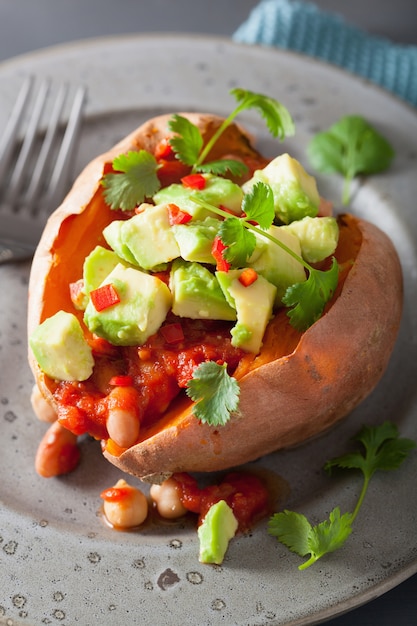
(254,308)
(59,347)
(144,303)
(217,192)
(149,237)
(275,264)
(195,239)
(318,237)
(294,190)
(217,529)
(113,235)
(197,294)
(97,266)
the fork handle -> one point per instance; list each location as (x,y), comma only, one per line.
(10,251)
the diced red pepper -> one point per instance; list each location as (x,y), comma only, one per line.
(121,380)
(103,348)
(177,215)
(104,297)
(163,150)
(217,250)
(248,277)
(172,333)
(194,181)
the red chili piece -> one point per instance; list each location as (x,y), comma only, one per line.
(194,181)
(248,277)
(121,380)
(177,215)
(217,251)
(104,297)
(172,333)
(163,150)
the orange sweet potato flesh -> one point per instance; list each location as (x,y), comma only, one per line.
(297,387)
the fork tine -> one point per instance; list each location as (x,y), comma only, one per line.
(19,171)
(35,183)
(59,178)
(8,140)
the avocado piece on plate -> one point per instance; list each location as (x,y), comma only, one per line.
(217,529)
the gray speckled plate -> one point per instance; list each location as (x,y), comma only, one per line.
(58,562)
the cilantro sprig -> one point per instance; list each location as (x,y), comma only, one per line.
(133,180)
(307,299)
(188,141)
(215,393)
(350,147)
(382,449)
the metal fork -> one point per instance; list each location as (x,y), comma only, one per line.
(35,164)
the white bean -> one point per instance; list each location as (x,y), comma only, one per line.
(42,409)
(127,508)
(57,453)
(167,500)
(123,423)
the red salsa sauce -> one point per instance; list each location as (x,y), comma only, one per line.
(245,493)
(158,372)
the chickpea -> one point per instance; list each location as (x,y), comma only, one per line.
(167,500)
(57,453)
(42,409)
(124,505)
(123,423)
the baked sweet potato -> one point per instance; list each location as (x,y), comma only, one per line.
(300,383)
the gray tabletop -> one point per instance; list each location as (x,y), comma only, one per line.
(28,25)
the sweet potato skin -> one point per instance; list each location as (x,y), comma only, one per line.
(285,399)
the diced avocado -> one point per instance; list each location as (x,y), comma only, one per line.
(144,303)
(97,266)
(254,307)
(318,237)
(217,529)
(149,237)
(275,264)
(195,239)
(218,192)
(197,294)
(113,235)
(295,192)
(60,348)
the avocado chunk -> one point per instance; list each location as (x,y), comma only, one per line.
(195,239)
(97,266)
(294,190)
(275,264)
(218,192)
(254,308)
(197,293)
(217,529)
(144,303)
(149,237)
(318,237)
(113,235)
(60,348)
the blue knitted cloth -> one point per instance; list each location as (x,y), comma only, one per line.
(303,27)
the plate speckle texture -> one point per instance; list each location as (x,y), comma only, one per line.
(59,563)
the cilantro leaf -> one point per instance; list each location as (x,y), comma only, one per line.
(276,115)
(383,450)
(134,180)
(215,393)
(240,242)
(188,142)
(222,167)
(258,205)
(351,146)
(309,298)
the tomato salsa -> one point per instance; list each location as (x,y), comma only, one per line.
(151,375)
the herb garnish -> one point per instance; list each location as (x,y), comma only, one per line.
(351,146)
(135,174)
(383,450)
(215,393)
